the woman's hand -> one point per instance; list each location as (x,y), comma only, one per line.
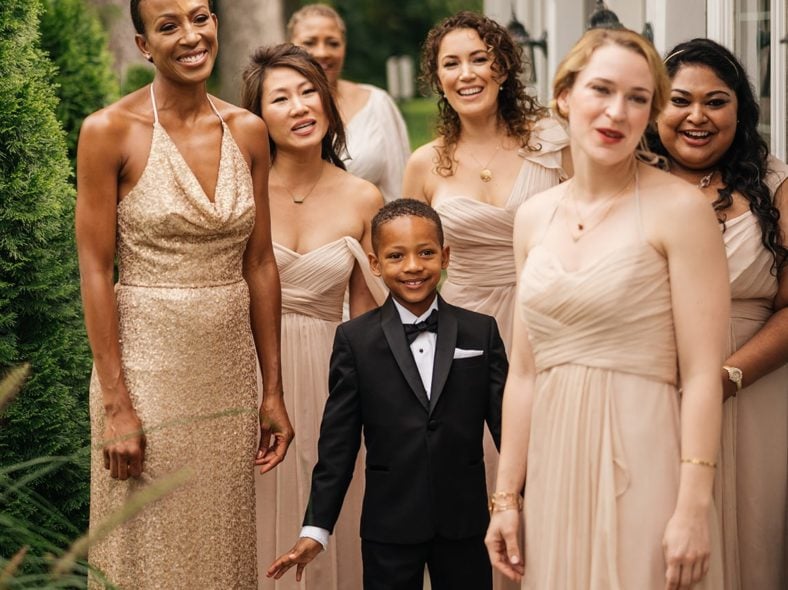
(502,546)
(686,547)
(124,443)
(274,423)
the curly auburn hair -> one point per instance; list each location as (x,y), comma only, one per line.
(744,165)
(516,110)
(287,55)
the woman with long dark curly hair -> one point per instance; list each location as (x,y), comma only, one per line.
(709,135)
(495,147)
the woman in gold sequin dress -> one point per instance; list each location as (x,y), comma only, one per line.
(320,222)
(177,180)
(615,299)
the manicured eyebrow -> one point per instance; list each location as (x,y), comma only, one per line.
(611,82)
(708,94)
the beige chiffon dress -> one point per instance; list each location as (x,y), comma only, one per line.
(481,276)
(604,452)
(750,489)
(190,368)
(313,286)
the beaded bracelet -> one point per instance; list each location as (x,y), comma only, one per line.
(501,501)
(701,462)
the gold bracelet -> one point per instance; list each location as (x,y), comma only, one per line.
(701,462)
(501,501)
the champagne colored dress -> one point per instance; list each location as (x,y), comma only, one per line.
(313,286)
(750,489)
(377,142)
(604,452)
(190,367)
(481,275)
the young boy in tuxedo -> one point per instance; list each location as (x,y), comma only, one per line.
(419,377)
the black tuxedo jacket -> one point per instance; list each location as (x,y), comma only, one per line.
(424,458)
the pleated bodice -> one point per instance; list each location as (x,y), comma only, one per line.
(613,314)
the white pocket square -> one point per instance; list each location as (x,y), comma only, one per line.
(461,353)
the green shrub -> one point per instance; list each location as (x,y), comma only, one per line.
(40,317)
(72,35)
(137,76)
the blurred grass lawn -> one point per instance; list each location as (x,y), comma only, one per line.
(419,114)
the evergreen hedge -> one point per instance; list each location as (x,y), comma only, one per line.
(44,433)
(74,38)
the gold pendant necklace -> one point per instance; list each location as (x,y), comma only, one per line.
(485,174)
(706,180)
(295,199)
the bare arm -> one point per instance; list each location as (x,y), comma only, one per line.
(98,169)
(361,299)
(262,276)
(501,540)
(700,298)
(767,350)
(417,171)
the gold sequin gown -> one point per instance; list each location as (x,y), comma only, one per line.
(313,287)
(190,367)
(750,489)
(604,450)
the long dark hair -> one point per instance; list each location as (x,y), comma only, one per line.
(287,55)
(516,109)
(745,164)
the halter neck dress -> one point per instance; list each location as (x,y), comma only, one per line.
(604,451)
(190,367)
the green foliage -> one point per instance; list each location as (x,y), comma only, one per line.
(419,115)
(40,317)
(72,35)
(137,76)
(377,29)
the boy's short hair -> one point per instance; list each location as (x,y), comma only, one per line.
(404,208)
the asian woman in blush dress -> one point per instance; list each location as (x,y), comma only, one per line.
(377,140)
(320,220)
(174,184)
(615,300)
(496,147)
(709,134)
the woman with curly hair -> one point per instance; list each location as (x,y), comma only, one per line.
(496,147)
(708,133)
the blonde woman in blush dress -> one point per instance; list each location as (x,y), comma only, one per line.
(377,140)
(173,182)
(709,134)
(320,245)
(615,299)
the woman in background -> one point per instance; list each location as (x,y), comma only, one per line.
(377,140)
(709,134)
(615,299)
(320,245)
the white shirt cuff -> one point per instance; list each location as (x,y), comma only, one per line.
(316,533)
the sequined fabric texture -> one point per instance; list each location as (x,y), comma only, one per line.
(189,363)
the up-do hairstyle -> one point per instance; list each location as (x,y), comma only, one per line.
(517,111)
(287,55)
(404,208)
(136,15)
(579,56)
(745,163)
(314,10)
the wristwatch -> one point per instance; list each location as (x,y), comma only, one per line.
(735,375)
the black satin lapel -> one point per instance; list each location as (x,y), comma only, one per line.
(444,353)
(395,335)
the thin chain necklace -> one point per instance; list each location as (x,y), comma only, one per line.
(485,174)
(706,180)
(599,211)
(295,199)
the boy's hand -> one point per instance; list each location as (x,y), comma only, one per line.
(304,551)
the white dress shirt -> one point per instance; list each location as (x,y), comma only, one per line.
(423,349)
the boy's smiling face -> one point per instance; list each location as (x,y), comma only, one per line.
(409,259)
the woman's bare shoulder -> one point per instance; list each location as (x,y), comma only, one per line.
(108,127)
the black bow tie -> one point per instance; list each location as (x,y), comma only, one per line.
(428,325)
